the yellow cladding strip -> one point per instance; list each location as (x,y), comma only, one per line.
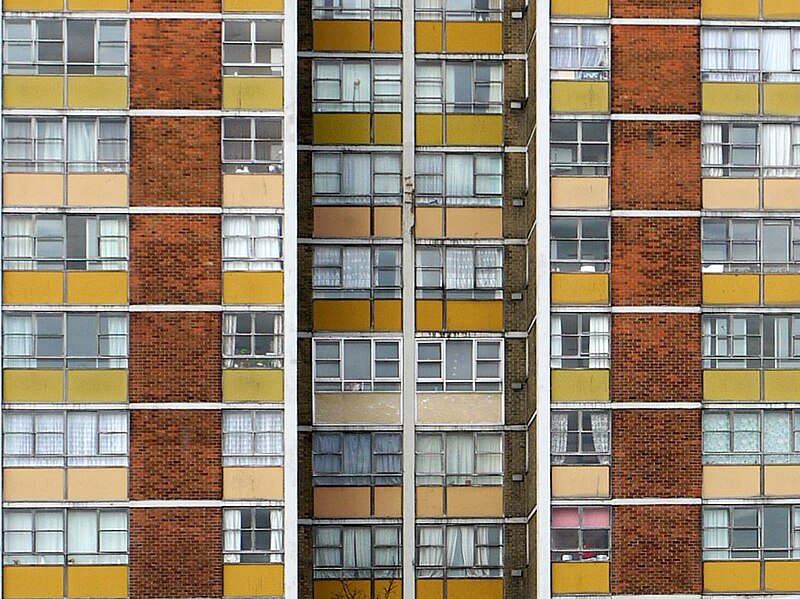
(731,385)
(781,9)
(33,91)
(731,289)
(341,35)
(342,502)
(430,502)
(781,194)
(579,385)
(429,129)
(106,582)
(32,385)
(386,36)
(28,582)
(472,588)
(97,287)
(731,577)
(579,8)
(731,98)
(248,93)
(342,128)
(743,9)
(474,223)
(97,91)
(782,480)
(342,315)
(474,38)
(782,385)
(428,36)
(95,5)
(579,96)
(252,287)
(780,576)
(252,580)
(252,384)
(474,315)
(252,6)
(386,315)
(583,577)
(33,287)
(474,129)
(579,288)
(782,98)
(387,128)
(97,386)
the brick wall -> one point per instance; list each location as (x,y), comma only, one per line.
(665,9)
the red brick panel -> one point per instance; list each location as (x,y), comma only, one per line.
(656,357)
(656,453)
(655,69)
(175,356)
(655,165)
(656,8)
(175,259)
(656,550)
(175,552)
(176,63)
(176,454)
(175,161)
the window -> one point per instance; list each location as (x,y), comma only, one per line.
(751,150)
(750,54)
(91,340)
(579,341)
(252,145)
(459,87)
(459,179)
(56,144)
(252,340)
(751,437)
(47,46)
(356,365)
(357,86)
(252,48)
(459,272)
(357,178)
(460,365)
(579,148)
(342,552)
(460,551)
(580,244)
(357,271)
(57,242)
(74,439)
(751,245)
(357,9)
(56,536)
(459,459)
(252,438)
(252,535)
(580,52)
(751,341)
(580,437)
(580,534)
(357,458)
(756,532)
(252,242)
(458,10)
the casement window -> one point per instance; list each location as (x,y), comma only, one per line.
(460,365)
(581,52)
(750,54)
(357,178)
(579,148)
(357,86)
(356,364)
(459,551)
(57,536)
(252,48)
(751,436)
(459,459)
(458,10)
(580,244)
(357,271)
(55,144)
(580,341)
(252,340)
(53,46)
(580,534)
(252,242)
(751,150)
(751,341)
(751,245)
(357,458)
(459,272)
(580,436)
(751,533)
(459,179)
(73,439)
(357,9)
(252,438)
(366,552)
(252,535)
(58,340)
(471,86)
(252,145)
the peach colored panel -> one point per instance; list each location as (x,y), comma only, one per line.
(339,221)
(252,190)
(342,502)
(388,502)
(26,189)
(428,222)
(387,221)
(474,501)
(97,189)
(474,223)
(430,502)
(782,194)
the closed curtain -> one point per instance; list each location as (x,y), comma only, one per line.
(18,340)
(489,454)
(50,144)
(555,342)
(595,47)
(269,437)
(776,54)
(460,268)
(49,532)
(236,242)
(777,152)
(715,534)
(82,532)
(431,551)
(598,341)
(267,242)
(559,424)
(117,340)
(715,56)
(459,179)
(82,437)
(356,267)
(778,437)
(357,550)
(113,243)
(460,456)
(327,453)
(744,55)
(326,271)
(81,145)
(356,87)
(489,268)
(601,428)
(357,449)
(232,533)
(276,538)
(357,176)
(711,137)
(429,450)
(564,47)
(18,242)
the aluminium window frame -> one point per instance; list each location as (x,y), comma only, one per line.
(252,68)
(374,478)
(252,263)
(252,555)
(438,103)
(760,552)
(252,359)
(442,478)
(476,383)
(442,290)
(580,167)
(388,10)
(253,458)
(252,164)
(581,456)
(731,242)
(584,358)
(761,75)
(374,291)
(371,572)
(378,102)
(757,170)
(444,569)
(581,552)
(341,384)
(583,263)
(441,176)
(373,198)
(713,359)
(761,456)
(478,11)
(579,72)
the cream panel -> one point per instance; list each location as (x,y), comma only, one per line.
(474,223)
(731,481)
(430,502)
(460,408)
(93,484)
(252,482)
(97,189)
(474,501)
(782,481)
(429,222)
(387,221)
(252,190)
(730,194)
(781,194)
(33,484)
(579,192)
(581,481)
(27,189)
(356,408)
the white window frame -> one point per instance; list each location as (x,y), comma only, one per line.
(477,382)
(586,259)
(429,474)
(592,330)
(321,264)
(578,146)
(255,66)
(433,87)
(379,473)
(341,383)
(234,534)
(381,73)
(483,168)
(255,145)
(578,58)
(263,433)
(325,178)
(262,252)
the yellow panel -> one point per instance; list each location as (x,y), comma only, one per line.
(388,128)
(474,129)
(341,221)
(474,315)
(97,4)
(22,582)
(387,315)
(28,189)
(430,589)
(782,289)
(252,483)
(580,481)
(470,588)
(337,589)
(97,287)
(97,91)
(33,287)
(33,484)
(731,481)
(781,193)
(782,385)
(474,501)
(579,288)
(253,6)
(782,98)
(429,222)
(387,37)
(342,315)
(386,221)
(95,484)
(388,502)
(471,37)
(33,91)
(342,502)
(430,502)
(252,384)
(245,93)
(579,192)
(474,223)
(731,385)
(781,9)
(429,315)
(429,129)
(781,576)
(389,589)
(731,289)
(341,35)
(252,580)
(731,577)
(252,190)
(357,408)
(252,287)
(581,577)
(731,194)
(725,8)
(730,98)
(97,189)
(460,408)
(579,96)
(33,385)
(97,386)
(579,385)
(782,480)
(428,38)
(589,8)
(97,581)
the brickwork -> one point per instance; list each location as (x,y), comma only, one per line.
(663,9)
(175,6)
(304,114)
(305,210)
(514,505)
(515,370)
(514,120)
(515,221)
(514,274)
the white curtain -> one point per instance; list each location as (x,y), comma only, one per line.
(489,454)
(356,268)
(559,424)
(328,549)
(113,243)
(433,8)
(18,242)
(486,555)
(459,178)
(595,44)
(232,533)
(429,454)
(82,437)
(268,441)
(460,457)
(744,55)
(228,335)
(564,47)
(356,176)
(715,54)
(237,437)
(489,268)
(113,440)
(598,341)
(601,428)
(460,268)
(327,271)
(431,551)
(555,342)
(18,439)
(18,340)
(236,242)
(18,532)
(461,547)
(267,243)
(49,532)
(49,428)
(712,148)
(114,536)
(776,151)
(386,179)
(50,143)
(715,534)
(327,453)
(357,550)
(117,340)
(82,532)
(356,90)
(776,54)
(327,173)
(276,536)
(777,437)
(81,145)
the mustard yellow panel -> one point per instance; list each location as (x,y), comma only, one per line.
(730,98)
(782,385)
(342,221)
(252,384)
(33,287)
(97,484)
(782,480)
(97,91)
(474,37)
(429,222)
(781,576)
(33,484)
(40,582)
(714,9)
(474,129)
(245,93)
(253,5)
(97,287)
(781,194)
(474,501)
(579,385)
(430,588)
(580,481)
(341,35)
(386,36)
(581,577)
(428,37)
(32,385)
(389,589)
(252,580)
(388,128)
(731,577)
(731,481)
(33,91)
(97,189)
(429,314)
(252,482)
(252,287)
(731,385)
(429,129)
(105,386)
(471,588)
(579,288)
(48,5)
(356,408)
(731,194)
(33,189)
(731,289)
(252,190)
(588,8)
(342,315)
(782,289)
(342,502)
(579,96)
(387,315)
(342,128)
(474,223)
(430,502)
(781,9)
(782,98)
(97,581)
(97,4)
(474,315)
(387,502)
(579,192)
(337,589)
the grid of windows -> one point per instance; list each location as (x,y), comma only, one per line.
(357,178)
(750,54)
(459,551)
(459,365)
(580,534)
(580,52)
(357,458)
(458,10)
(356,365)
(252,48)
(252,438)
(580,341)
(356,86)
(459,179)
(580,244)
(459,272)
(252,535)
(751,150)
(459,86)
(751,436)
(252,145)
(357,271)
(755,532)
(751,341)
(579,148)
(459,459)
(252,340)
(580,436)
(751,245)
(357,9)
(343,552)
